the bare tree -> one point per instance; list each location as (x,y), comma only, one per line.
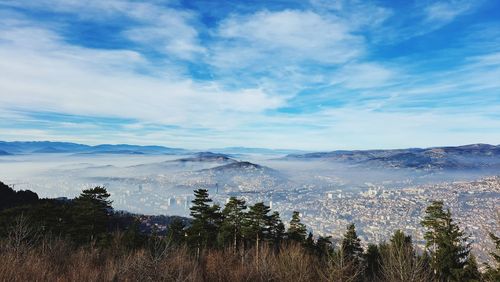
(21,236)
(400,261)
(339,268)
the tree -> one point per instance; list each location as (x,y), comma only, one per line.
(204,227)
(338,267)
(351,245)
(492,272)
(324,247)
(447,245)
(256,224)
(176,232)
(471,271)
(10,198)
(400,261)
(276,230)
(132,237)
(233,216)
(309,243)
(372,262)
(297,231)
(91,214)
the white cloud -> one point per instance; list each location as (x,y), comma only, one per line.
(284,37)
(46,74)
(364,75)
(285,52)
(155,26)
(445,11)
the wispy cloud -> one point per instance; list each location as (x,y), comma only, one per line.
(311,75)
(443,12)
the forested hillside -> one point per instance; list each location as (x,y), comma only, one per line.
(84,239)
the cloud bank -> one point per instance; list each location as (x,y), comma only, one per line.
(320,75)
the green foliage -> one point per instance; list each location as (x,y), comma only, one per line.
(10,198)
(232,223)
(91,214)
(256,225)
(447,245)
(133,238)
(372,260)
(324,247)
(206,221)
(351,245)
(492,272)
(176,233)
(297,231)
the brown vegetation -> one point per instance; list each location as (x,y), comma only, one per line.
(57,260)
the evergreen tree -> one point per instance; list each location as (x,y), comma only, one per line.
(448,246)
(233,216)
(309,243)
(276,230)
(297,231)
(324,247)
(257,224)
(372,262)
(10,198)
(351,245)
(132,238)
(471,271)
(492,272)
(176,232)
(91,214)
(206,219)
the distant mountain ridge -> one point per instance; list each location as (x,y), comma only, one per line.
(47,147)
(261,151)
(39,147)
(458,157)
(208,157)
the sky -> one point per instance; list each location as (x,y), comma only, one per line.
(312,75)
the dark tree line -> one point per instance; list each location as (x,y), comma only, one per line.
(447,255)
(90,219)
(10,198)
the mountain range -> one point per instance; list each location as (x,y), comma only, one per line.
(46,147)
(459,157)
(472,156)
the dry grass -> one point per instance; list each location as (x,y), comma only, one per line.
(56,260)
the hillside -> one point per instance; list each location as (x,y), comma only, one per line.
(475,156)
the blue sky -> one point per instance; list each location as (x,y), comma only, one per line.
(314,75)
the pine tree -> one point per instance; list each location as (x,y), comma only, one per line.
(176,232)
(351,245)
(372,262)
(309,243)
(91,214)
(471,271)
(492,272)
(447,244)
(132,238)
(324,247)
(205,224)
(276,230)
(257,224)
(232,224)
(297,231)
